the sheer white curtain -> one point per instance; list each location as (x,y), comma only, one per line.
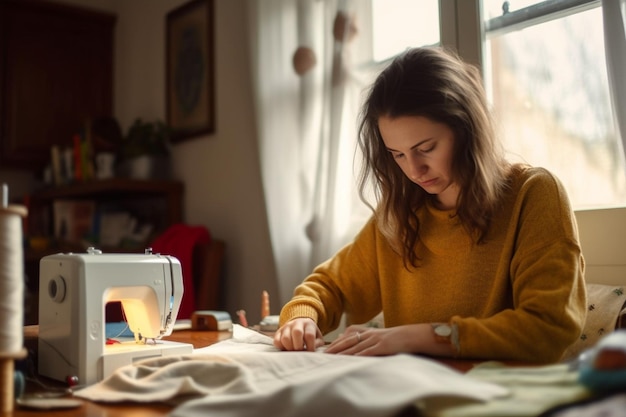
(614,17)
(307,101)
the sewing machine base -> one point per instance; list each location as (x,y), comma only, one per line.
(129,352)
(115,356)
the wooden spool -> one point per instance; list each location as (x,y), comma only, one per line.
(7,368)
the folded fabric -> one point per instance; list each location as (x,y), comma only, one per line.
(231,379)
(534,390)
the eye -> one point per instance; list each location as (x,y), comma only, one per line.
(427,149)
(396,155)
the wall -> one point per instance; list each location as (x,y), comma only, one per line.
(221,171)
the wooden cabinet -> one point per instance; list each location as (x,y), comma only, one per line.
(56,72)
(154,202)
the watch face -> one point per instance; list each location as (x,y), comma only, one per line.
(443,330)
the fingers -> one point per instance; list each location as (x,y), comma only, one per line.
(353,341)
(298,334)
(304,335)
(312,338)
(282,338)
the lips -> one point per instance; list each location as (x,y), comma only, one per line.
(427,183)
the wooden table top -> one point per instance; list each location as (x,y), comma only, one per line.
(198,339)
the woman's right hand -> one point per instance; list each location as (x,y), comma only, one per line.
(299,334)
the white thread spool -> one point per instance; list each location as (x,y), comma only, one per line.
(11,295)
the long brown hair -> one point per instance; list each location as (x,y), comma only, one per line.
(436,84)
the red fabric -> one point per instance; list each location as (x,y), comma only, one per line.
(179,240)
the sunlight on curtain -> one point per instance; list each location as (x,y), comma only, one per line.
(307,103)
(273,38)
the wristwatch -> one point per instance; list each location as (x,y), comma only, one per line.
(443,333)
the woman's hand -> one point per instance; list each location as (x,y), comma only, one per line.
(299,334)
(369,341)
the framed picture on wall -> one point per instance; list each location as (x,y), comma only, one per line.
(190,70)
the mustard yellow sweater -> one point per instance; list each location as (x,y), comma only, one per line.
(520,295)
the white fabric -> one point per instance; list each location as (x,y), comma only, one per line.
(247,376)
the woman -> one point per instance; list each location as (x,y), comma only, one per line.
(466,255)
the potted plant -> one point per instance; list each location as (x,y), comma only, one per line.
(145,151)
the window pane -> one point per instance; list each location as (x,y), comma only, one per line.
(401,24)
(549,88)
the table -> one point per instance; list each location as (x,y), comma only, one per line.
(198,339)
(90,409)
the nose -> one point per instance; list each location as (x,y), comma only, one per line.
(416,168)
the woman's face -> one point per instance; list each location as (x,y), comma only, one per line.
(423,150)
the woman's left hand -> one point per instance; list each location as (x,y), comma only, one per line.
(369,341)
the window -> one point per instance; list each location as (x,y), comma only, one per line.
(546,75)
(401,24)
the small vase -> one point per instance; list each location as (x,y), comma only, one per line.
(146,167)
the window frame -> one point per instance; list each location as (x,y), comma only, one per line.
(536,14)
(465,35)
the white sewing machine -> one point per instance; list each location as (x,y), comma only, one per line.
(73,292)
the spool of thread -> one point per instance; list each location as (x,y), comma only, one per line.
(11,296)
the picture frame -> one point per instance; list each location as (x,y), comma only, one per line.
(190,92)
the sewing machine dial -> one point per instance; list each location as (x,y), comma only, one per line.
(56,289)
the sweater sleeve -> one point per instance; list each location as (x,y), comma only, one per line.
(546,272)
(347,282)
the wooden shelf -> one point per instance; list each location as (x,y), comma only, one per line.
(108,187)
(142,194)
